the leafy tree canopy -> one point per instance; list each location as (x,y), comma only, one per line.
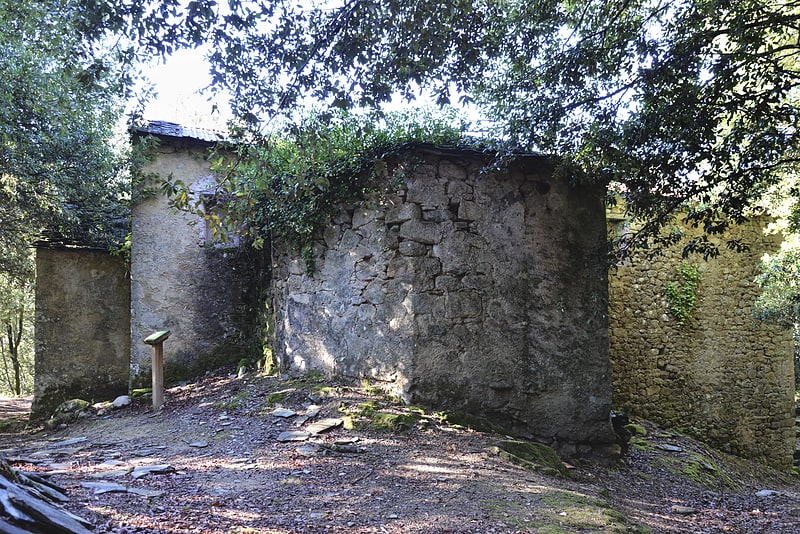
(674,100)
(58,170)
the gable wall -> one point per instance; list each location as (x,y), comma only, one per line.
(204,296)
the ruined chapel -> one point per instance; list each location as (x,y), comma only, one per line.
(480,292)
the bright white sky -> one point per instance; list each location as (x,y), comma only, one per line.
(178,83)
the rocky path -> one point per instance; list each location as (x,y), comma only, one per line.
(14,411)
(221,458)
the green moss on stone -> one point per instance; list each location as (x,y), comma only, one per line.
(573,511)
(636,430)
(233,402)
(534,456)
(640,444)
(67,412)
(393,422)
(699,469)
(350,423)
(416,409)
(369,415)
(367,409)
(71,406)
(370,389)
(276,397)
(561,511)
(313,376)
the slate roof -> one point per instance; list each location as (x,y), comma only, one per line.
(177,131)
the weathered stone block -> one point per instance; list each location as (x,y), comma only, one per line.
(438,216)
(417,303)
(427,233)
(463,304)
(297,266)
(374,293)
(457,190)
(365,313)
(447,283)
(362,216)
(404,212)
(452,171)
(459,252)
(424,189)
(412,248)
(470,211)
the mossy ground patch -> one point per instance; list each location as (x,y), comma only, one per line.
(552,511)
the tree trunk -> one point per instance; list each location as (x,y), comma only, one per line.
(14,339)
(15,353)
(8,364)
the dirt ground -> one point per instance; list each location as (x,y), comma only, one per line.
(211,462)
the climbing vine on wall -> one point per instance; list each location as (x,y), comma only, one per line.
(295,182)
(288,184)
(682,295)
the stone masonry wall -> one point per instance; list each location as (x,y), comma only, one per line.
(82,334)
(477,292)
(204,295)
(723,377)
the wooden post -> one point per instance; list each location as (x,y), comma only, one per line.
(156,340)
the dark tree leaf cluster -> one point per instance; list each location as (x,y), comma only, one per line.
(671,101)
(59,174)
(676,101)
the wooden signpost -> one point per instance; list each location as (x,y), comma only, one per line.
(156,340)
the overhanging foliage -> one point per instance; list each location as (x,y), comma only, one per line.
(676,101)
(58,169)
(288,184)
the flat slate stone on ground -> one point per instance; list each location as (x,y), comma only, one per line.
(158,469)
(323,425)
(293,435)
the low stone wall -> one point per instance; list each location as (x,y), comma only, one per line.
(722,377)
(82,334)
(476,292)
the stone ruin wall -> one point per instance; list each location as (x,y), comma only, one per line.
(206,296)
(476,292)
(724,377)
(82,337)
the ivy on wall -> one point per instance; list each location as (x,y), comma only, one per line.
(288,184)
(682,295)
